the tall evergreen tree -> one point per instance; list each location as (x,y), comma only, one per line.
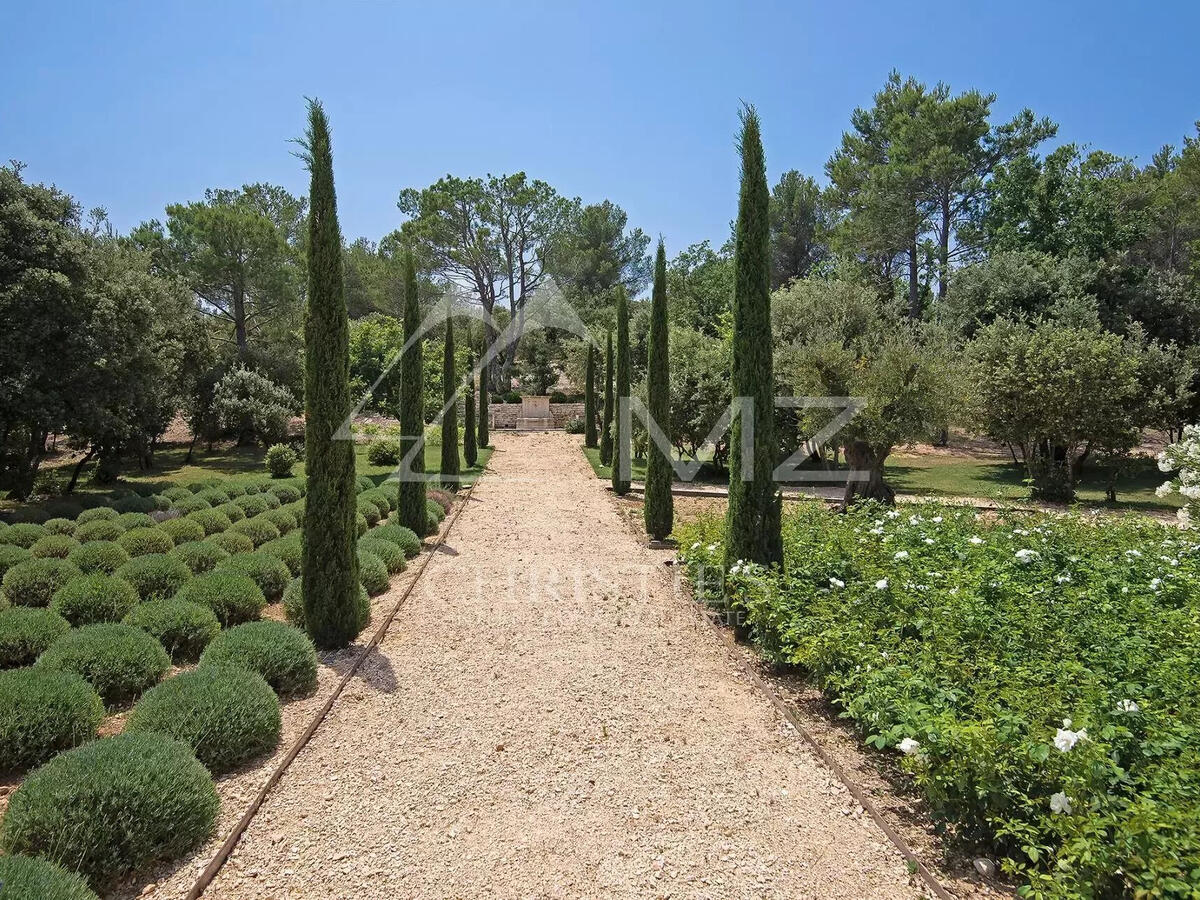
(659,508)
(622,442)
(589,399)
(450,468)
(329,562)
(752,523)
(606,420)
(470,448)
(483,406)
(410,501)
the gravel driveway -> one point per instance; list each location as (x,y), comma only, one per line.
(547,717)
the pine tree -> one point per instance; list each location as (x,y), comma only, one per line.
(410,501)
(450,467)
(470,449)
(659,508)
(483,406)
(589,399)
(752,523)
(606,420)
(329,561)
(622,448)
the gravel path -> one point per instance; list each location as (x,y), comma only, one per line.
(547,717)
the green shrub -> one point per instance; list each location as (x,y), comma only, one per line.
(381,498)
(59,526)
(391,554)
(24,534)
(199,556)
(98,556)
(30,878)
(404,538)
(286,493)
(372,572)
(192,504)
(34,581)
(365,483)
(183,628)
(88,599)
(293,605)
(54,546)
(197,487)
(280,459)
(176,493)
(232,511)
(234,597)
(288,550)
(134,503)
(256,485)
(44,713)
(135,520)
(143,541)
(211,521)
(10,555)
(361,526)
(281,654)
(259,529)
(113,806)
(161,503)
(267,571)
(436,514)
(155,576)
(233,489)
(253,504)
(215,496)
(281,519)
(25,632)
(96,514)
(442,498)
(183,530)
(384,453)
(118,661)
(232,542)
(99,530)
(226,715)
(368,511)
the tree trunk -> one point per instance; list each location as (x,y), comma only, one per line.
(914,287)
(79,469)
(944,248)
(865,481)
(239,321)
(191,447)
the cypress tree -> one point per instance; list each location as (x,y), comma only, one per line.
(483,406)
(410,500)
(606,421)
(659,508)
(589,399)
(450,468)
(329,561)
(622,448)
(470,450)
(752,523)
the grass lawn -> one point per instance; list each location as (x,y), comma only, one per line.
(985,478)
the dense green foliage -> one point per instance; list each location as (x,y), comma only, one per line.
(470,435)
(232,542)
(622,448)
(156,576)
(293,604)
(118,661)
(233,595)
(34,581)
(410,503)
(183,628)
(88,599)
(449,466)
(141,541)
(25,632)
(54,546)
(390,554)
(30,878)
(113,806)
(281,654)
(404,538)
(43,713)
(372,572)
(280,460)
(659,509)
(104,557)
(183,530)
(199,556)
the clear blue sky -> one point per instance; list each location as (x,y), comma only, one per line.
(134,105)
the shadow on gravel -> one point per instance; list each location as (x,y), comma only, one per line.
(375,671)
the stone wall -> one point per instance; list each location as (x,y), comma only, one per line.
(505,415)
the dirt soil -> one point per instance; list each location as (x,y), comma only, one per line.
(548,717)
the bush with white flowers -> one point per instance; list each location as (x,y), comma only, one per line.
(1183,459)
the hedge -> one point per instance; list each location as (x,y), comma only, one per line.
(232,542)
(253,504)
(31,878)
(267,571)
(176,493)
(212,521)
(99,530)
(44,713)
(232,596)
(26,632)
(113,806)
(369,510)
(156,576)
(227,715)
(259,529)
(286,549)
(10,555)
(215,496)
(60,526)
(96,514)
(286,493)
(135,520)
(183,530)
(391,554)
(117,660)
(232,511)
(143,541)
(293,604)
(404,538)
(281,654)
(88,599)
(283,520)
(183,628)
(199,556)
(372,572)
(34,581)
(98,556)
(23,534)
(134,503)
(191,504)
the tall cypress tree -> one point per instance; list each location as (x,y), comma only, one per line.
(410,500)
(450,467)
(752,523)
(622,448)
(483,406)
(659,508)
(470,450)
(606,420)
(329,561)
(589,399)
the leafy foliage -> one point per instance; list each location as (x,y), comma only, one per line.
(25,632)
(281,654)
(118,661)
(30,878)
(232,595)
(88,599)
(156,576)
(44,713)
(34,581)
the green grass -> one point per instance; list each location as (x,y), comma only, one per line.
(983,478)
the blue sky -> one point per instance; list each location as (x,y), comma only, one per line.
(134,105)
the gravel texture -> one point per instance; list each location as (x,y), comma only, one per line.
(548,717)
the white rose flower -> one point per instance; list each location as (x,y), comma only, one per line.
(837,582)
(1025,557)
(900,554)
(908,746)
(976,540)
(881,584)
(1060,803)
(1129,707)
